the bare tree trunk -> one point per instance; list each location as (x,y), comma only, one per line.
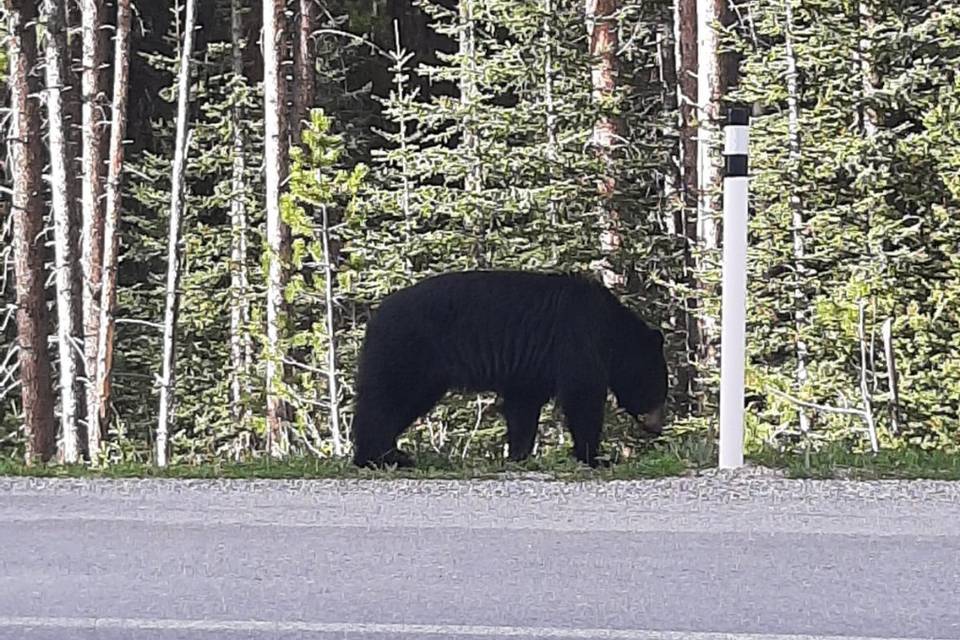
(400,59)
(240,348)
(868,72)
(685,58)
(800,302)
(473,180)
(669,94)
(604,41)
(333,387)
(468,91)
(73,110)
(73,103)
(549,99)
(92,195)
(65,257)
(276,162)
(177,197)
(672,47)
(26,163)
(892,377)
(714,77)
(97,414)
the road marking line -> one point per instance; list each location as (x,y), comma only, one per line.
(168,624)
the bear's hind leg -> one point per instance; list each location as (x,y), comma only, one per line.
(523,419)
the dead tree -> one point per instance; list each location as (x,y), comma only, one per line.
(168,376)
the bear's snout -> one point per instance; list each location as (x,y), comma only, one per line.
(653,420)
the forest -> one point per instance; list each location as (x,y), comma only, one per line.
(204,200)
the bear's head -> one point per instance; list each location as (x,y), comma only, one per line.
(638,375)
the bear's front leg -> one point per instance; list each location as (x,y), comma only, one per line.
(583,410)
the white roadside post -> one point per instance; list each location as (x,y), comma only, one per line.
(734,298)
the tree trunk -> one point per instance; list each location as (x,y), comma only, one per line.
(468,92)
(73,110)
(473,180)
(800,302)
(549,99)
(667,51)
(74,113)
(868,73)
(604,42)
(97,414)
(714,78)
(685,58)
(240,347)
(26,163)
(333,387)
(177,197)
(65,257)
(304,72)
(276,161)
(92,195)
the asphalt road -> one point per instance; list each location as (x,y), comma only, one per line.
(705,559)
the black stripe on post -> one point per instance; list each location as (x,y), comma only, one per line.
(736,165)
(738,116)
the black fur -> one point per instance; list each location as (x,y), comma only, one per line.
(526,336)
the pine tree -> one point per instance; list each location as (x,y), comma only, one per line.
(26,165)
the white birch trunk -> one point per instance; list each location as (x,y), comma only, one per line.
(65,258)
(97,413)
(275,160)
(177,196)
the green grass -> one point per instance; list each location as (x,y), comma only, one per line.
(685,456)
(658,464)
(836,462)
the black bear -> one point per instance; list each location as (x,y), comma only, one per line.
(526,336)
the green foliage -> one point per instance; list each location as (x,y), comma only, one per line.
(204,426)
(319,194)
(447,158)
(876,207)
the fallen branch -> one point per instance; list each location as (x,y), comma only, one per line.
(817,407)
